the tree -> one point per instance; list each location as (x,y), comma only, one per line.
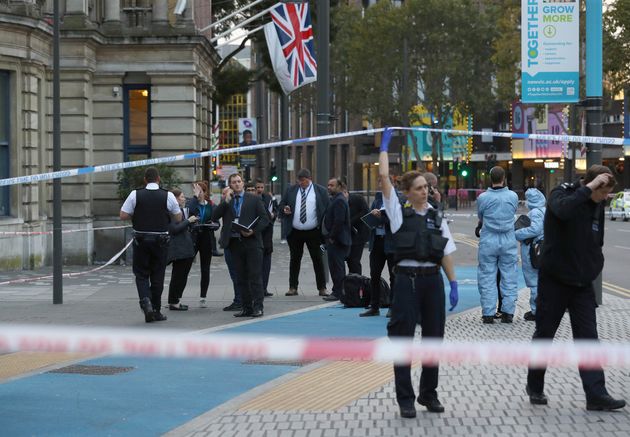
(507,55)
(617,45)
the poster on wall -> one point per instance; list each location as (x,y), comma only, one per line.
(527,119)
(247,130)
(550,52)
(453,146)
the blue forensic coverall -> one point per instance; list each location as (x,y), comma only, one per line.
(536,205)
(498,248)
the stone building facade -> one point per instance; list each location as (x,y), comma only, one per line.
(136,82)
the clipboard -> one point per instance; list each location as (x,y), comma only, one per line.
(371,221)
(210,226)
(237,227)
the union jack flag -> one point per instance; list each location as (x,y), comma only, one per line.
(290,40)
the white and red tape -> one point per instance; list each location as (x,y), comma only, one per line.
(174,344)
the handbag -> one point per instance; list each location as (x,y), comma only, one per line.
(535,253)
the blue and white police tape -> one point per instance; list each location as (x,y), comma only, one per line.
(186,156)
(177,344)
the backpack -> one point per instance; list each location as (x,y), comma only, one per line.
(535,253)
(356,291)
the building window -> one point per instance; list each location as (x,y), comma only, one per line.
(228,118)
(137,120)
(5,136)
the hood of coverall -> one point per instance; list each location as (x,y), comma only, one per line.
(535,199)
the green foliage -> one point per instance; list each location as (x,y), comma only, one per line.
(230,80)
(616,43)
(507,53)
(131,178)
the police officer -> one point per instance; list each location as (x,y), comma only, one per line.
(150,210)
(422,243)
(571,260)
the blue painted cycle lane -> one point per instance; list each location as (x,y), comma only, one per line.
(158,395)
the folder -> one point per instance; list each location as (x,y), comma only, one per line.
(372,221)
(236,226)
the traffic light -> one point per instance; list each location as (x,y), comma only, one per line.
(273,175)
(464,173)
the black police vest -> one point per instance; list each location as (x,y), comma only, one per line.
(151,213)
(419,237)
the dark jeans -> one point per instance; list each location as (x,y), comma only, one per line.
(337,255)
(266,268)
(149,267)
(227,254)
(247,259)
(552,301)
(204,247)
(420,298)
(312,239)
(354,259)
(179,278)
(378,258)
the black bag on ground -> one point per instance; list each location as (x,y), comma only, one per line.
(386,294)
(356,291)
(535,253)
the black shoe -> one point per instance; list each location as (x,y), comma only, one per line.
(507,318)
(244,313)
(407,412)
(498,315)
(158,316)
(433,404)
(147,309)
(604,403)
(217,253)
(178,307)
(536,398)
(488,320)
(257,313)
(371,312)
(233,307)
(529,316)
(331,298)
(267,294)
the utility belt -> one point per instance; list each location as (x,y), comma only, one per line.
(412,272)
(161,238)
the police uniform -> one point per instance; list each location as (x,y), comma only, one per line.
(150,208)
(421,240)
(572,259)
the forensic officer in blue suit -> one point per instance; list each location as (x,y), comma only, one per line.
(497,248)
(527,236)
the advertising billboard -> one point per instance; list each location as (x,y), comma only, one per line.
(526,119)
(453,146)
(550,49)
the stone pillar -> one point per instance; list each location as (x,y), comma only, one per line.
(77,7)
(112,11)
(160,11)
(76,16)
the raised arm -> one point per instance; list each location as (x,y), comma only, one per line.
(383,163)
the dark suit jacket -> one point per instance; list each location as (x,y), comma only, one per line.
(251,208)
(267,234)
(358,208)
(288,199)
(337,221)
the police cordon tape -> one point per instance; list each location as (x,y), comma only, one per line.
(65,231)
(175,344)
(195,155)
(69,275)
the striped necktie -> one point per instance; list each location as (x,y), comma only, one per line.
(303,207)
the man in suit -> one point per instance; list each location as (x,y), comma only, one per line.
(360,232)
(245,246)
(337,232)
(272,209)
(303,207)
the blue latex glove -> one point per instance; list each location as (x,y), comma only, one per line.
(454,295)
(385,139)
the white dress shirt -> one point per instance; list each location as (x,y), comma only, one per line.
(130,203)
(311,209)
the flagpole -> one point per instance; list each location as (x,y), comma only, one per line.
(216,23)
(323,89)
